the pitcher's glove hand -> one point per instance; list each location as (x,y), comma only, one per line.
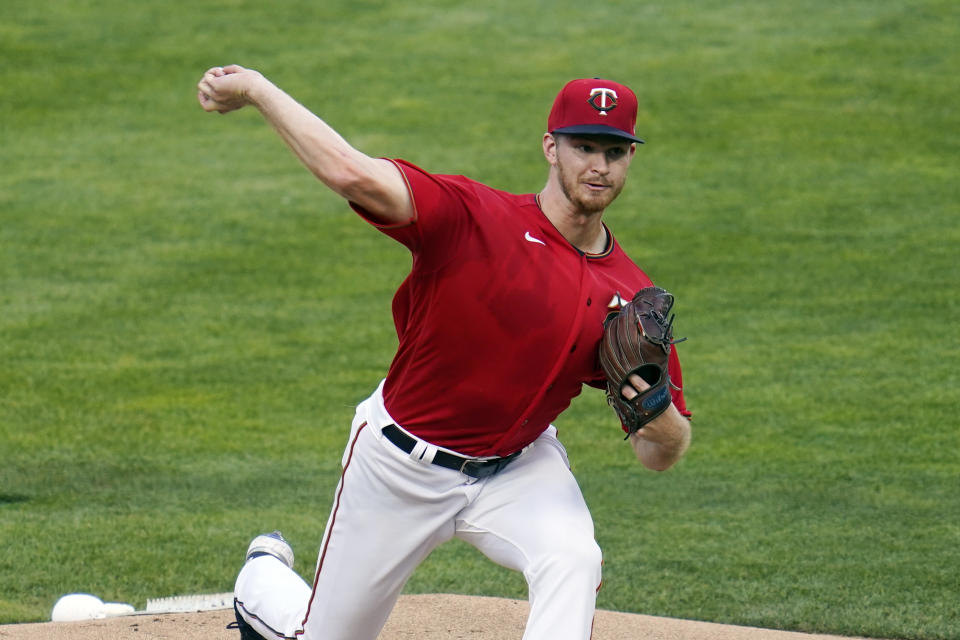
(637,340)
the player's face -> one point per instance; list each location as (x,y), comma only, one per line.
(592,169)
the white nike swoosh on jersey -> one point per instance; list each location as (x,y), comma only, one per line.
(530,238)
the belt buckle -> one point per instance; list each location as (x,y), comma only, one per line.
(471,468)
(480,469)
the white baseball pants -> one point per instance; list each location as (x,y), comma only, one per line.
(391,509)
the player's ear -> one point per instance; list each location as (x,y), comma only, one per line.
(550,148)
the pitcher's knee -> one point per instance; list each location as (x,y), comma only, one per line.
(573,560)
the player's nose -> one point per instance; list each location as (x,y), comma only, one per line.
(599,163)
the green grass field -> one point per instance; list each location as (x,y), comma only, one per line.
(187,318)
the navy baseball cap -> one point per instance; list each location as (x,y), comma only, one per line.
(595,106)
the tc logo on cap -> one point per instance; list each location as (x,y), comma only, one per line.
(603,99)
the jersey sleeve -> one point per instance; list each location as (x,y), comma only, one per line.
(676,380)
(441,213)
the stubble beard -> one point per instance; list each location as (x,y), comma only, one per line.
(592,203)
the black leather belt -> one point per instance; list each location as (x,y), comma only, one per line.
(473,467)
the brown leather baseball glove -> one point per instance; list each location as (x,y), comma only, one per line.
(637,340)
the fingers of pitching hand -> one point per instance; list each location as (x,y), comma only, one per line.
(205,94)
(213,95)
(207,81)
(209,104)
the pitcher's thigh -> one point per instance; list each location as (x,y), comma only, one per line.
(533,512)
(389,513)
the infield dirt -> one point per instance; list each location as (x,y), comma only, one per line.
(424,617)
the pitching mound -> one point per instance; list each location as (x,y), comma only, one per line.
(427,617)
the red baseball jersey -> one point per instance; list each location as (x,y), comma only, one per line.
(500,318)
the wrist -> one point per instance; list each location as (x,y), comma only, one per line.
(258,89)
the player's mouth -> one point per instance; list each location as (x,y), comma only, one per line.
(597,186)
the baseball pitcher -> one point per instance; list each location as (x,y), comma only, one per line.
(512,304)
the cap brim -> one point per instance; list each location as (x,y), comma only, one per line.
(598,130)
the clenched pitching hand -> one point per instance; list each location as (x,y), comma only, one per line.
(225,89)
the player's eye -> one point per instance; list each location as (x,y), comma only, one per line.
(616,153)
